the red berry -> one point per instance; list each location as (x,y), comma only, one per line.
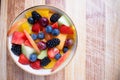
(66,29)
(52,52)
(55,25)
(23,59)
(36,27)
(35,65)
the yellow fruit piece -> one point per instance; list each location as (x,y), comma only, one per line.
(62,38)
(43,12)
(37,40)
(50,14)
(51,64)
(61,52)
(25,26)
(28,14)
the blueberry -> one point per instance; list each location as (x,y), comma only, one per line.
(36,16)
(55,32)
(34,36)
(33,57)
(31,20)
(41,35)
(57,56)
(54,17)
(65,49)
(48,29)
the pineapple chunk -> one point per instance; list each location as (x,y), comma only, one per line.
(28,14)
(25,26)
(43,12)
(51,64)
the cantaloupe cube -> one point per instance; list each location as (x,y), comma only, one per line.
(15,26)
(62,38)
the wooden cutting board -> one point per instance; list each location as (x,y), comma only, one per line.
(98,52)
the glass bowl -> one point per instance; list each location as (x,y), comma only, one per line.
(42,72)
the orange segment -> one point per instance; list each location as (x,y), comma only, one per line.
(32,41)
(15,26)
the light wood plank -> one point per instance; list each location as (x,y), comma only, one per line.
(76,69)
(14,8)
(3,30)
(61,74)
(112,59)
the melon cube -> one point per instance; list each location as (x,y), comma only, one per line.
(62,38)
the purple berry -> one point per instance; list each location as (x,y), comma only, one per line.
(41,45)
(69,42)
(44,21)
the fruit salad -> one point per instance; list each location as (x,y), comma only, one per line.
(42,38)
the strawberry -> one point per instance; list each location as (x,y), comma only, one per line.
(52,52)
(23,59)
(35,65)
(36,27)
(66,29)
(55,25)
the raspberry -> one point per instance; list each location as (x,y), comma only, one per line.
(16,49)
(45,61)
(53,43)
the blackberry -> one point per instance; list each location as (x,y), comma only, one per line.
(53,43)
(36,16)
(45,61)
(16,49)
(54,17)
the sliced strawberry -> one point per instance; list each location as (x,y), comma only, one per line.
(27,43)
(55,25)
(66,30)
(35,65)
(52,52)
(34,45)
(36,27)
(61,60)
(23,59)
(18,38)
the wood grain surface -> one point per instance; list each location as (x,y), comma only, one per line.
(98,27)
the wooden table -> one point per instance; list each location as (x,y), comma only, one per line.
(98,28)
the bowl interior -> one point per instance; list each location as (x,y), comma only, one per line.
(27,68)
